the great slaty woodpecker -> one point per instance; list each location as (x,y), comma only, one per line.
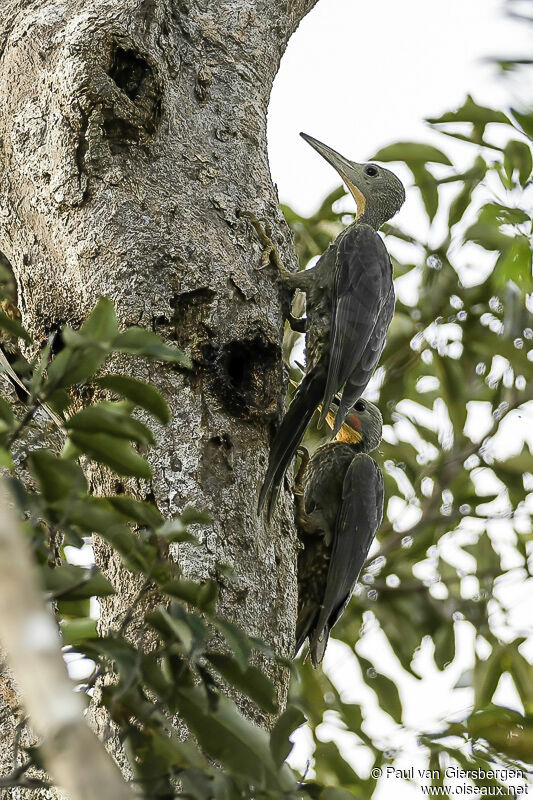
(350,303)
(339,506)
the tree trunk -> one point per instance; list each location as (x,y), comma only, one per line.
(131,133)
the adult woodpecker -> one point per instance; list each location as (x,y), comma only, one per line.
(350,303)
(339,507)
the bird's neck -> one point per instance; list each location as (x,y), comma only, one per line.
(373,215)
(348,436)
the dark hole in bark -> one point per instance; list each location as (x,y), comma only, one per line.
(135,77)
(236,365)
(249,379)
(128,71)
(221,441)
(57,340)
(119,130)
(208,354)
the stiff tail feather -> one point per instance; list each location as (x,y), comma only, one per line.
(290,434)
(317,645)
(304,624)
(350,396)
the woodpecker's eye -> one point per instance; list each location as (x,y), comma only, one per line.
(360,405)
(371,171)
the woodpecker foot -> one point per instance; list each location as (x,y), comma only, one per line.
(303,452)
(301,518)
(264,234)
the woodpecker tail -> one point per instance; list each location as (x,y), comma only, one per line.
(350,396)
(307,617)
(317,645)
(290,434)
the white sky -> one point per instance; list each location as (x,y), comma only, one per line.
(359,76)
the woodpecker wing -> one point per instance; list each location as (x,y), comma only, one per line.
(358,380)
(358,520)
(362,292)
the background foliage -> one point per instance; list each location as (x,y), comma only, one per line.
(459,348)
(454,373)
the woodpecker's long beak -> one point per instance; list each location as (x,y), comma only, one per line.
(350,172)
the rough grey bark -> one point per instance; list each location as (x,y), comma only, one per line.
(131,132)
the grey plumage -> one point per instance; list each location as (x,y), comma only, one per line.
(339,512)
(350,303)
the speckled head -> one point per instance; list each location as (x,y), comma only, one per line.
(378,192)
(362,426)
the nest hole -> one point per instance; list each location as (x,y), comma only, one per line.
(250,375)
(135,78)
(129,70)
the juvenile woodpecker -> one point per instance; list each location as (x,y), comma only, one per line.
(350,303)
(339,507)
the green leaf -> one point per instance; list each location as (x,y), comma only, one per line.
(239,642)
(142,394)
(75,583)
(6,412)
(522,675)
(472,178)
(251,681)
(525,120)
(191,516)
(59,401)
(517,156)
(173,530)
(77,630)
(487,675)
(385,689)
(233,741)
(470,111)
(143,513)
(136,555)
(110,418)
(72,366)
(176,623)
(140,341)
(451,380)
(13,327)
(5,459)
(487,559)
(413,153)
(94,514)
(331,767)
(101,325)
(307,692)
(444,641)
(280,744)
(112,451)
(428,187)
(498,214)
(201,595)
(506,730)
(514,264)
(117,650)
(57,478)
